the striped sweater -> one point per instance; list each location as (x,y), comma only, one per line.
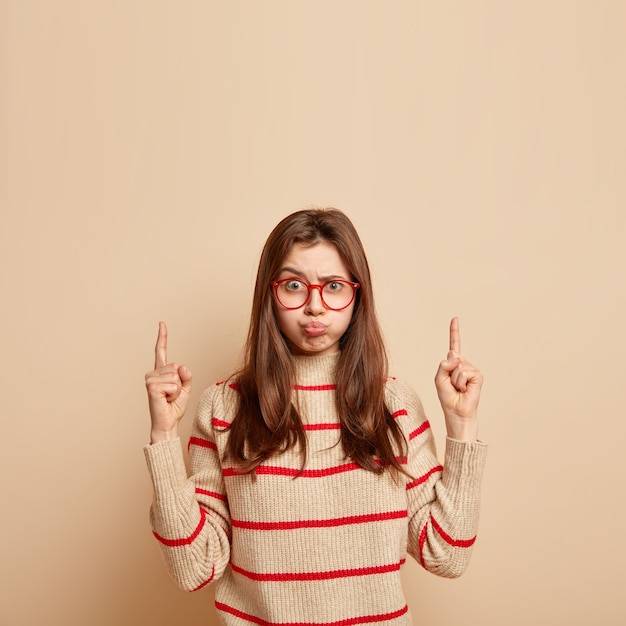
(325,547)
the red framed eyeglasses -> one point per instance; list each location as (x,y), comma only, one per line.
(293,293)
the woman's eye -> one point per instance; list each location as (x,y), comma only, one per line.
(334,286)
(294,285)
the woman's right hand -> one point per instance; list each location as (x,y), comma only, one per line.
(169,387)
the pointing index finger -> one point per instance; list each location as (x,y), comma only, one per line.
(160,350)
(455,336)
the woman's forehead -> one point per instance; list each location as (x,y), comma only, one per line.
(320,259)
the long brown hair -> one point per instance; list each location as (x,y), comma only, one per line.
(266,421)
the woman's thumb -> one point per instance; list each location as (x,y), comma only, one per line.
(185,378)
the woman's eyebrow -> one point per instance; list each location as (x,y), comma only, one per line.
(325,279)
(322,279)
(291,270)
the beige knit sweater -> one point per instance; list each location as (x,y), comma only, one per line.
(325,547)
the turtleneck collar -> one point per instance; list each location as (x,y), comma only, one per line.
(316,370)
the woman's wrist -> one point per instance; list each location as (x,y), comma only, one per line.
(157,436)
(462,429)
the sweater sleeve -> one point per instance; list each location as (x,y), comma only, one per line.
(189,514)
(442,500)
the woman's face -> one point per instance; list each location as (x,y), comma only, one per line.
(313,329)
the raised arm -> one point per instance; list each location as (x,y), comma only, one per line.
(189,514)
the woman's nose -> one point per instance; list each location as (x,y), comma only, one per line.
(315,305)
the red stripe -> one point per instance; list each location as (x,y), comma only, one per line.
(420,429)
(203,443)
(422,542)
(320,523)
(315,387)
(212,494)
(274,470)
(185,541)
(328,575)
(231,385)
(224,530)
(329,426)
(350,621)
(399,413)
(456,543)
(218,423)
(424,478)
(206,582)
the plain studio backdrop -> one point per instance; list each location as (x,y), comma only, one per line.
(146,151)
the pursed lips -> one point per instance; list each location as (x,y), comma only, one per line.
(315,329)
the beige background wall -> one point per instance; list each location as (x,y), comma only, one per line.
(146,151)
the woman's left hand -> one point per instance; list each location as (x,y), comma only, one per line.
(458,385)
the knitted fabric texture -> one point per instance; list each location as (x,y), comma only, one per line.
(322,547)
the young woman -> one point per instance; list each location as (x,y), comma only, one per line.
(313,472)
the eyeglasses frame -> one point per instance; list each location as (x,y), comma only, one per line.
(276,284)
